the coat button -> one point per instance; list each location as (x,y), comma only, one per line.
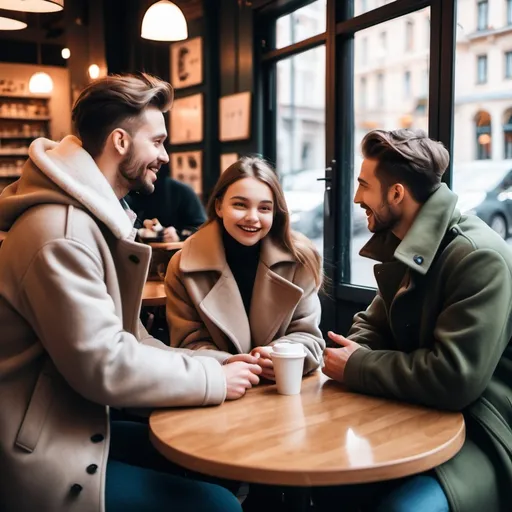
(97,438)
(454,231)
(76,488)
(133,258)
(418,259)
(91,469)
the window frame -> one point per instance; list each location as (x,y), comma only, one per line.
(341,27)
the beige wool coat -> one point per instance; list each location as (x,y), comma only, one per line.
(205,309)
(71,345)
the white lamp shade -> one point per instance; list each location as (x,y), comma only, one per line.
(94,71)
(32,5)
(164,21)
(40,83)
(10,24)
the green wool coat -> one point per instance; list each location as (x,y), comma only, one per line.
(438,334)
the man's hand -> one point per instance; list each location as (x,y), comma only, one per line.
(335,359)
(170,235)
(240,377)
(267,366)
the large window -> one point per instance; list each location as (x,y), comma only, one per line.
(300,130)
(375,72)
(482,137)
(305,22)
(388,72)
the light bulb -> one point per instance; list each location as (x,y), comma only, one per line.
(94,71)
(164,21)
(40,83)
(66,53)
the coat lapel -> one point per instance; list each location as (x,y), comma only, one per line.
(224,306)
(274,295)
(273,298)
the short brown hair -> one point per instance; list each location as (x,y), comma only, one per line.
(408,157)
(116,101)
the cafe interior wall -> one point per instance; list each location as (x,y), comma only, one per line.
(228,65)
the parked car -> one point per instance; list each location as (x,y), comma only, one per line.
(487,194)
(305,198)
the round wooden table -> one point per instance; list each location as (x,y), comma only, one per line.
(153,294)
(324,436)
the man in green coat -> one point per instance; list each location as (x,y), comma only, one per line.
(438,331)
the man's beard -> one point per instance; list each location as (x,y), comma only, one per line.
(385,220)
(134,171)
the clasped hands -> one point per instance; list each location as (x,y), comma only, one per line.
(244,370)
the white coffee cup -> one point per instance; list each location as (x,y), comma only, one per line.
(288,359)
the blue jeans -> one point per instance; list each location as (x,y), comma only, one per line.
(140,479)
(420,493)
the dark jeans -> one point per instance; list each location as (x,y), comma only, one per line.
(419,493)
(139,478)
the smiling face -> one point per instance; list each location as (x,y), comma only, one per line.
(247,210)
(146,153)
(381,213)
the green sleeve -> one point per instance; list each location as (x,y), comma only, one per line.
(469,337)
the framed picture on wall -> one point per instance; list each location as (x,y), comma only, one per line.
(227,159)
(187,120)
(187,167)
(187,63)
(235,117)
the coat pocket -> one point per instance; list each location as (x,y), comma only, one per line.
(493,422)
(35,415)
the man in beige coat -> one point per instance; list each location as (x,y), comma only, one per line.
(71,344)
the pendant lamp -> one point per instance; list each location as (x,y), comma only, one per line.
(32,5)
(40,82)
(10,24)
(164,21)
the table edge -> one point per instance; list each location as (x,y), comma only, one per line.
(385,471)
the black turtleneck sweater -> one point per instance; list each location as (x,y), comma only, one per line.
(243,262)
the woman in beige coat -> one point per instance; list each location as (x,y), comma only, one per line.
(245,281)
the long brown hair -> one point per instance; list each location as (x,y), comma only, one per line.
(297,244)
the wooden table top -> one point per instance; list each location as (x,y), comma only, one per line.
(153,294)
(324,436)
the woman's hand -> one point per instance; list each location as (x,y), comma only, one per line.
(264,360)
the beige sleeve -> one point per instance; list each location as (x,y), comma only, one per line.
(85,339)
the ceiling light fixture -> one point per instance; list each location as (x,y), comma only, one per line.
(10,24)
(164,21)
(66,53)
(32,5)
(40,83)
